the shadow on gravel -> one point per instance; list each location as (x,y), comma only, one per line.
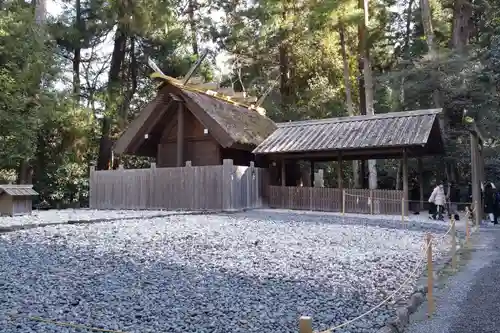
(18,227)
(79,285)
(316,217)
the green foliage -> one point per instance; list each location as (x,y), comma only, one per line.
(24,62)
(42,121)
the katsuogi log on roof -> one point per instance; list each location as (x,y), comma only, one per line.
(378,136)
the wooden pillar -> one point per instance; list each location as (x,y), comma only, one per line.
(339,171)
(312,172)
(180,135)
(480,173)
(283,175)
(482,177)
(405,180)
(420,166)
(476,187)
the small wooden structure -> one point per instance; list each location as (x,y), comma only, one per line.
(183,123)
(16,199)
(404,135)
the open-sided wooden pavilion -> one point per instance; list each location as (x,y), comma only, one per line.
(403,135)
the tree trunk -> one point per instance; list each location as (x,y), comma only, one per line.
(425,9)
(40,11)
(105,146)
(462,24)
(284,63)
(361,87)
(24,172)
(409,16)
(117,58)
(367,72)
(429,37)
(348,95)
(192,5)
(77,52)
(132,79)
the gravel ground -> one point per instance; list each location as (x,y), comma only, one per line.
(247,272)
(470,301)
(65,215)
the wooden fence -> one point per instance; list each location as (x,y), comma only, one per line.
(219,187)
(362,201)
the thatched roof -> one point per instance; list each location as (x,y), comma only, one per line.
(231,124)
(243,125)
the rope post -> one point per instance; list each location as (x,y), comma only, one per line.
(453,243)
(430,276)
(343,202)
(305,325)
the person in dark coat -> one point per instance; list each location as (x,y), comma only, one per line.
(490,202)
(496,212)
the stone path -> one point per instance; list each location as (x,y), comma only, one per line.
(470,300)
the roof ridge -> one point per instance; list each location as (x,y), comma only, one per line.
(189,87)
(16,185)
(400,114)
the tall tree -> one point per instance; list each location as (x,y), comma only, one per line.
(77,57)
(348,93)
(368,85)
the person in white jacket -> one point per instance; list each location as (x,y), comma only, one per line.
(438,198)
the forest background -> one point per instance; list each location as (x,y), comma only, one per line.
(74,73)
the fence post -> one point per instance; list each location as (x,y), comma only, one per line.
(92,188)
(403,210)
(152,201)
(189,174)
(227,184)
(430,276)
(371,201)
(305,325)
(251,202)
(453,244)
(343,201)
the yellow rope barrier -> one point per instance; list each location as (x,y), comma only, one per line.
(387,299)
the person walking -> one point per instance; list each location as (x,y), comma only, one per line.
(438,198)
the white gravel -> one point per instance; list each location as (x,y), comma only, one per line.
(65,215)
(247,272)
